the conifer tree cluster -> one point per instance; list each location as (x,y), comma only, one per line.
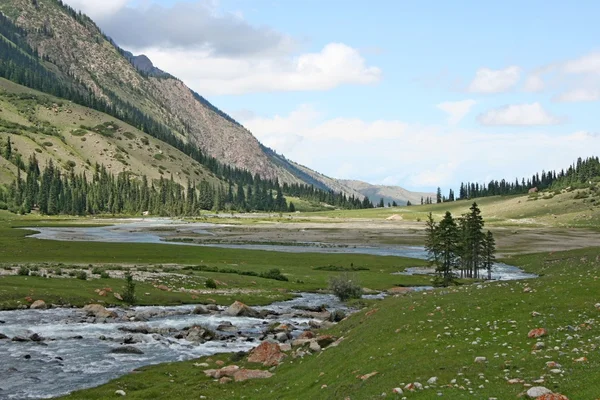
(460,247)
(53,192)
(579,174)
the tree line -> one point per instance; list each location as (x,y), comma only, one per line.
(53,192)
(20,63)
(580,173)
(460,247)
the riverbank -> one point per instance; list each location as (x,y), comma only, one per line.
(470,341)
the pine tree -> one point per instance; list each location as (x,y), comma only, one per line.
(8,149)
(489,253)
(439,195)
(472,241)
(432,245)
(447,241)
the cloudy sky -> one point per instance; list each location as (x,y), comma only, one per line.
(413,93)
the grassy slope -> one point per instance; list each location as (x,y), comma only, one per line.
(562,210)
(414,337)
(92,147)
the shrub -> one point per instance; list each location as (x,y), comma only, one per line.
(345,287)
(82,275)
(129,294)
(274,273)
(210,284)
(337,316)
(23,271)
(104,275)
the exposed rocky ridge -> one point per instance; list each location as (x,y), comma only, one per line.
(389,193)
(79,50)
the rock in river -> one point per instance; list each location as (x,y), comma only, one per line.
(239,309)
(126,350)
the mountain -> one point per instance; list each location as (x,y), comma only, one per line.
(388,193)
(71,56)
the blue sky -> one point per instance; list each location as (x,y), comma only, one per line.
(416,94)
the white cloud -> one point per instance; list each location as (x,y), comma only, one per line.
(495,81)
(416,156)
(336,64)
(97,8)
(519,114)
(590,63)
(534,83)
(456,110)
(579,95)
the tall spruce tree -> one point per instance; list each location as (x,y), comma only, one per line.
(489,253)
(472,242)
(447,240)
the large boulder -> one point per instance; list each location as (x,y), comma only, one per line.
(200,310)
(245,374)
(267,354)
(98,311)
(38,305)
(3,336)
(198,334)
(538,391)
(239,309)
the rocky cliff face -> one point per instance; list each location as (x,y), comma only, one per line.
(77,49)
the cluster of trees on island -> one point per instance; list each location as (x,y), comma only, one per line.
(460,247)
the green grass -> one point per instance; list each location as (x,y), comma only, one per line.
(561,210)
(417,336)
(18,249)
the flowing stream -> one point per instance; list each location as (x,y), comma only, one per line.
(76,354)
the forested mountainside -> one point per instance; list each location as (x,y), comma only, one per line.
(87,66)
(47,46)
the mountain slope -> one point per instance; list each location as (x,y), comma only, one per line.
(76,50)
(388,193)
(75,138)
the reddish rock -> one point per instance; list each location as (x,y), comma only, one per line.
(245,374)
(306,335)
(536,333)
(102,293)
(552,396)
(373,311)
(220,363)
(29,299)
(163,288)
(267,354)
(224,380)
(227,371)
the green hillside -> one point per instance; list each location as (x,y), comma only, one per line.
(76,138)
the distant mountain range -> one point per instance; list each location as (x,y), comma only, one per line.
(389,193)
